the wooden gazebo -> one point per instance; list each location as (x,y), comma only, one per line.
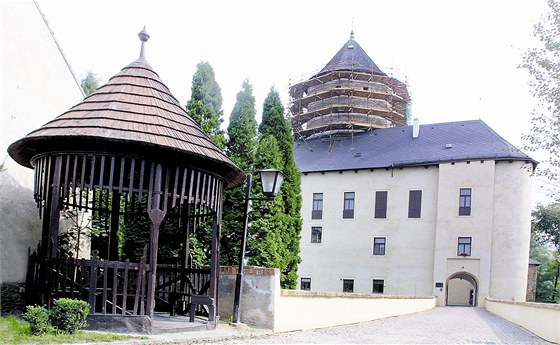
(127,154)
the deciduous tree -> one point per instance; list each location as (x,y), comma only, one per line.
(545,247)
(543,64)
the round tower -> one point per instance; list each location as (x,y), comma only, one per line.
(350,94)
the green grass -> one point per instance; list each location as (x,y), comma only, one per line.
(14,331)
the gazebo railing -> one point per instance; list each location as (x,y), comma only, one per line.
(117,287)
(176,286)
(110,287)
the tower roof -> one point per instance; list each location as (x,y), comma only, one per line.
(134,114)
(351,57)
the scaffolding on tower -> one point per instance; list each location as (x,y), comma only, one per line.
(350,94)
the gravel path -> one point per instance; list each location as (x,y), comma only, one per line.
(444,325)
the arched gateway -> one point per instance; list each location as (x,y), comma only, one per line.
(130,159)
(462,290)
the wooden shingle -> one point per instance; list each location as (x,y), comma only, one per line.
(132,112)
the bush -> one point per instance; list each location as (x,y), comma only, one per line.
(38,318)
(69,315)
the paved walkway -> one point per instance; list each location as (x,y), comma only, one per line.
(444,325)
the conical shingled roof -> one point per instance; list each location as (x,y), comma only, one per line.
(135,114)
(351,57)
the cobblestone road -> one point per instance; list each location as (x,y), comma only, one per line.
(444,325)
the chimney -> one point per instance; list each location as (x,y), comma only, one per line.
(415,127)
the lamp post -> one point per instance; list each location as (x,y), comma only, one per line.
(271,180)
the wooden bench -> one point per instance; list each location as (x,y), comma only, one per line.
(190,300)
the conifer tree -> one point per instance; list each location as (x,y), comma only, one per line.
(240,147)
(275,124)
(89,83)
(205,105)
(266,245)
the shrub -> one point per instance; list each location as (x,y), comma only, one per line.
(38,318)
(69,315)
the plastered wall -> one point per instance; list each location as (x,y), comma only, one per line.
(37,86)
(539,318)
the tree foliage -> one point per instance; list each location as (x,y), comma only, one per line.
(240,147)
(543,64)
(276,125)
(546,224)
(266,243)
(545,248)
(89,83)
(205,105)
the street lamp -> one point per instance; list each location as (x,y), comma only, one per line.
(271,180)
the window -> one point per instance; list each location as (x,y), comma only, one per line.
(316,234)
(378,285)
(305,284)
(464,246)
(414,204)
(379,246)
(317,212)
(465,202)
(381,204)
(348,211)
(347,285)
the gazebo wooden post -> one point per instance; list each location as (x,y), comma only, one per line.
(185,231)
(185,226)
(113,238)
(50,226)
(214,269)
(54,211)
(156,216)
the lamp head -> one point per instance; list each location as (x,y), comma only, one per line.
(271,180)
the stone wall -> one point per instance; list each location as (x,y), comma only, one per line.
(261,286)
(12,298)
(532,283)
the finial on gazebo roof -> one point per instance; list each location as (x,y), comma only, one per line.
(352,34)
(144,37)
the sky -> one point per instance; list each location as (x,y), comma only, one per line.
(459,58)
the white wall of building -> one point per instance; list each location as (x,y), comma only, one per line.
(479,176)
(512,231)
(346,251)
(36,86)
(422,252)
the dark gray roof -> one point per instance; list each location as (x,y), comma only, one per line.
(534,262)
(386,147)
(351,57)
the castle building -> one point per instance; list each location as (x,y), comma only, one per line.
(438,209)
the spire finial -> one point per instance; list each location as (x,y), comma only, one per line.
(352,30)
(144,37)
